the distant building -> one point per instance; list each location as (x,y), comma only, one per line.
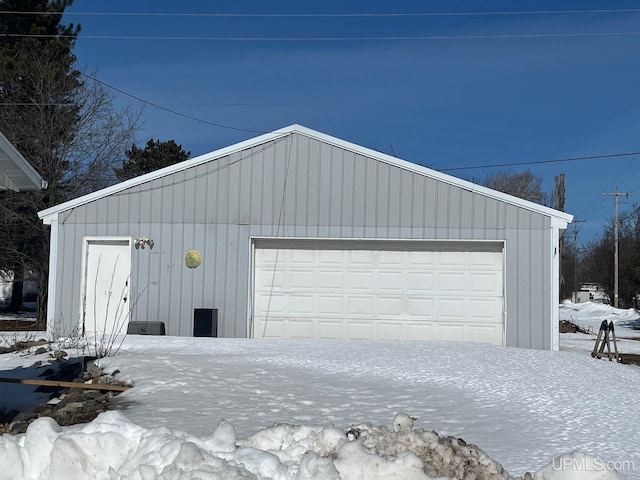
(29,289)
(591,292)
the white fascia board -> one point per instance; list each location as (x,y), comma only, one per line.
(554,281)
(53,275)
(564,218)
(561,223)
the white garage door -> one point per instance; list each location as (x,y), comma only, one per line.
(369,290)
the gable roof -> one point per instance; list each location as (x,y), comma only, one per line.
(559,219)
(15,172)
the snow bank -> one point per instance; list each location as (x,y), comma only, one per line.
(591,314)
(114,448)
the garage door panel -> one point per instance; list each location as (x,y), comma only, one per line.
(274,328)
(387,306)
(328,329)
(359,306)
(330,305)
(421,259)
(420,307)
(267,257)
(388,293)
(358,330)
(453,331)
(300,279)
(420,282)
(486,334)
(485,261)
(389,331)
(332,258)
(267,277)
(451,260)
(450,308)
(273,304)
(300,305)
(361,257)
(302,257)
(330,279)
(484,310)
(451,283)
(393,259)
(359,280)
(298,327)
(420,331)
(391,281)
(485,283)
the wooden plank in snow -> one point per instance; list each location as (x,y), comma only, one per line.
(56,383)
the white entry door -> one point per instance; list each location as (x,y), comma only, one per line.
(106,304)
(394,290)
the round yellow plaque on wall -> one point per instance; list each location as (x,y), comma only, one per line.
(192,259)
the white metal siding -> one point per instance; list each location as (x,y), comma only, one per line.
(218,206)
(439,292)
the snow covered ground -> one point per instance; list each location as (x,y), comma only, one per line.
(522,407)
(590,315)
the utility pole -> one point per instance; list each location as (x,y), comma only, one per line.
(575,258)
(559,196)
(616,194)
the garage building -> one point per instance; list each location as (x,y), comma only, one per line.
(297,234)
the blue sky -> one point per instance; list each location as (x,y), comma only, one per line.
(515,92)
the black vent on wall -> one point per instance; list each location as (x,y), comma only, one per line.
(205,322)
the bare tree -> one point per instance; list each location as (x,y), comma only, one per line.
(597,263)
(64,123)
(82,164)
(524,185)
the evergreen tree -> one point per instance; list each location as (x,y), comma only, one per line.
(37,115)
(54,116)
(153,156)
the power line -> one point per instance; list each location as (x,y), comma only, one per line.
(220,125)
(474,167)
(331,39)
(169,110)
(329,15)
(495,165)
(538,162)
(600,200)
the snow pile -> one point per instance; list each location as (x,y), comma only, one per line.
(591,314)
(368,452)
(114,448)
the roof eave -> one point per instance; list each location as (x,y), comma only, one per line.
(28,178)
